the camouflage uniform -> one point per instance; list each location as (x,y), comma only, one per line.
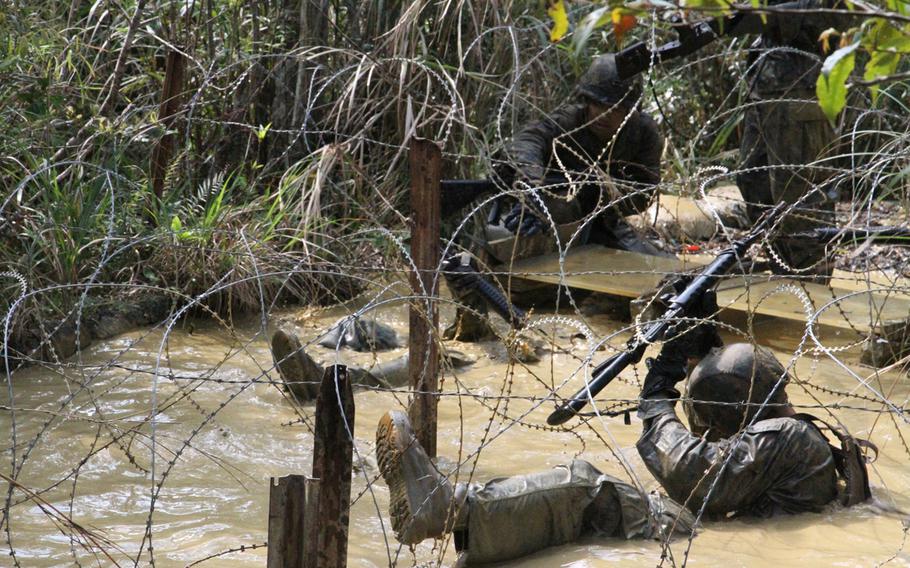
(784,126)
(557,507)
(779,463)
(576,172)
(562,155)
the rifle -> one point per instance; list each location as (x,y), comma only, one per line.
(679,306)
(689,39)
(464,274)
(881,235)
(458,193)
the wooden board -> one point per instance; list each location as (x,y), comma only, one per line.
(601,269)
(628,274)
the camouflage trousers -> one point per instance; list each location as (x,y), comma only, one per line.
(783,147)
(511,517)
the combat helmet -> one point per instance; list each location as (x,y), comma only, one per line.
(726,379)
(602,84)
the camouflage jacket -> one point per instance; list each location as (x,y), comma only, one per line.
(775,65)
(778,465)
(560,144)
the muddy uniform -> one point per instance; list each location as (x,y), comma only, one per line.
(778,465)
(784,126)
(577,166)
(578,172)
(515,516)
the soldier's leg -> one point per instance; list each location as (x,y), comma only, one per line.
(798,136)
(555,506)
(302,375)
(753,179)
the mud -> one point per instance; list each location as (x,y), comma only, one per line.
(217,391)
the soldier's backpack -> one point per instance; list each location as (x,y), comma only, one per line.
(848,459)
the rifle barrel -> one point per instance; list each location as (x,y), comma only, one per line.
(604,373)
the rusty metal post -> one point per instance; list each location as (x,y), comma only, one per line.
(425,168)
(287,521)
(333,454)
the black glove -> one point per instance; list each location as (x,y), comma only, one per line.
(522,221)
(685,340)
(695,337)
(664,372)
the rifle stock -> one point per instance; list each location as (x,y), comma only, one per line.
(680,304)
(458,193)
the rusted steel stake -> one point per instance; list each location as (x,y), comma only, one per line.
(424,160)
(287,521)
(333,454)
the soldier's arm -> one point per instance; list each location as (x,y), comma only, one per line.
(643,170)
(687,466)
(530,150)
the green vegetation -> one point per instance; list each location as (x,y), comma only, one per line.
(248,152)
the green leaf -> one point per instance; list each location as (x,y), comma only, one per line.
(262,131)
(831,86)
(881,64)
(176,225)
(709,5)
(596,19)
(882,35)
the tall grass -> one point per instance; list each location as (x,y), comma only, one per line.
(291,126)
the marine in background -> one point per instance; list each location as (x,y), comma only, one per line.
(591,163)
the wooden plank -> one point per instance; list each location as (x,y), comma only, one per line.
(630,275)
(425,167)
(854,310)
(602,269)
(333,453)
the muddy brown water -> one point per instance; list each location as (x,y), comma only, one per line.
(242,432)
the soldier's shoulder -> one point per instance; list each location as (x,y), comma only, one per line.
(647,126)
(785,427)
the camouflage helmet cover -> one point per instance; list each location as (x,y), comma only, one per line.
(732,376)
(601,84)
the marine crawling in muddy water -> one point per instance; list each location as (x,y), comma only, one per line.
(599,155)
(747,454)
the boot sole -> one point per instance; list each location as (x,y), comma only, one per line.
(388,456)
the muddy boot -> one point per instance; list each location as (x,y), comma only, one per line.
(469,327)
(423,503)
(300,373)
(471,321)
